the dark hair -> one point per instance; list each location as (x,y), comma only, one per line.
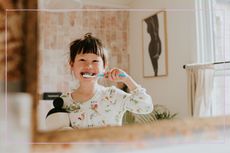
(87,45)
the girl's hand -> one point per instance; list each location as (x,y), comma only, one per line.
(113,75)
(116,75)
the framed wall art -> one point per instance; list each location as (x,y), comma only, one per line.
(154,41)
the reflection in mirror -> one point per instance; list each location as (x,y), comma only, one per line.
(121,32)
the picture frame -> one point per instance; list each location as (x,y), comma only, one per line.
(155,45)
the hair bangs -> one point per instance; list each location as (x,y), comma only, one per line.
(91,46)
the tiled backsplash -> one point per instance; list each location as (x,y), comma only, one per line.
(58,29)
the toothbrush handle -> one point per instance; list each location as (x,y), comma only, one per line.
(122,75)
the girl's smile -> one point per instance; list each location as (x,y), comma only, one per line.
(87,66)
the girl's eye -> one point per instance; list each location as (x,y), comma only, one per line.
(95,61)
(81,60)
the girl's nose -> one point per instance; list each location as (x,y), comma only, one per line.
(90,66)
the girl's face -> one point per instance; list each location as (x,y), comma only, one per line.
(87,64)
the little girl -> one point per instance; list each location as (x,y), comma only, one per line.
(91,104)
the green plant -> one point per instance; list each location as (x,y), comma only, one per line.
(160,112)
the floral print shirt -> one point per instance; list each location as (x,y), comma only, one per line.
(106,107)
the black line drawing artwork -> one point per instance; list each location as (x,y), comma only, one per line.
(155,42)
(155,45)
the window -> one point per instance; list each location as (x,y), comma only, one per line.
(213,35)
(221,15)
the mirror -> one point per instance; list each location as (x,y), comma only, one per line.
(121,31)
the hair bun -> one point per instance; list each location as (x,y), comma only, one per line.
(88,35)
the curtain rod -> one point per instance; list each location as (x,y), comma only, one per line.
(184,66)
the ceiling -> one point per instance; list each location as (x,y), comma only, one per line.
(72,3)
(112,3)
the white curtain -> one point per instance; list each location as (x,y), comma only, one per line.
(200,88)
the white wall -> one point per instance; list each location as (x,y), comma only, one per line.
(171,90)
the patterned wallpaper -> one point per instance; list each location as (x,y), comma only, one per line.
(58,29)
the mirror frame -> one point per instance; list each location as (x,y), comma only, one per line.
(127,133)
(187,128)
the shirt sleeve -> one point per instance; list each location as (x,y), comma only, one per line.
(137,101)
(64,96)
(68,105)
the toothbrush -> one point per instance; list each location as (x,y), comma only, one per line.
(101,75)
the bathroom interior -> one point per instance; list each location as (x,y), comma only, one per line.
(192,86)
